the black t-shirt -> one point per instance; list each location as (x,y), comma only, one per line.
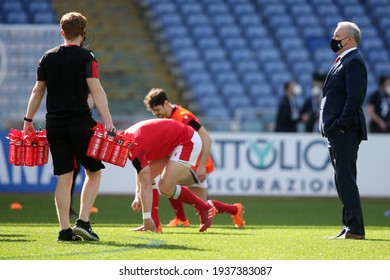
(381,105)
(65,70)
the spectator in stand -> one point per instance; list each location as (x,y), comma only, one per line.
(311,107)
(378,107)
(288,112)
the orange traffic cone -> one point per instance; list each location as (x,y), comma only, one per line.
(16,206)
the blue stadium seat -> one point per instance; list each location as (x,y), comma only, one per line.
(259,90)
(202,31)
(44,17)
(190,8)
(180,43)
(211,102)
(39,6)
(196,20)
(214,54)
(226,77)
(288,43)
(11,6)
(198,77)
(219,66)
(247,21)
(229,31)
(268,54)
(204,89)
(278,78)
(219,113)
(382,68)
(301,10)
(191,66)
(186,54)
(229,90)
(223,20)
(244,8)
(241,54)
(258,44)
(245,66)
(167,20)
(232,43)
(16,17)
(253,77)
(215,8)
(174,31)
(297,55)
(208,43)
(237,102)
(267,102)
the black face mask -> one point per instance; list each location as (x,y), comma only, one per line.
(336,45)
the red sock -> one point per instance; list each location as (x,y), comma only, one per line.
(224,207)
(179,209)
(156,199)
(185,195)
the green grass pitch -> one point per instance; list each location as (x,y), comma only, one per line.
(277,229)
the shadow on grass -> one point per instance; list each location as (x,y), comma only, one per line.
(13,238)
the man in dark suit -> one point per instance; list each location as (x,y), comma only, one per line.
(342,122)
(288,111)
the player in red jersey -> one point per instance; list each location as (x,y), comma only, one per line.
(157,102)
(167,148)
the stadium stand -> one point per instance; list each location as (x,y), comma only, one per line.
(217,49)
(249,48)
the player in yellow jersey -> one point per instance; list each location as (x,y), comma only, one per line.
(157,102)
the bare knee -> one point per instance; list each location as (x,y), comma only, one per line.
(166,189)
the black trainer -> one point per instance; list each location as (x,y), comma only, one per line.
(67,235)
(84,230)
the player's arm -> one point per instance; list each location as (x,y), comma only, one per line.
(100,99)
(146,193)
(205,152)
(136,205)
(37,94)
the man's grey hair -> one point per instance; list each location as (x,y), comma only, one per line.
(352,29)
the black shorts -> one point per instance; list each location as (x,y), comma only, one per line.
(68,142)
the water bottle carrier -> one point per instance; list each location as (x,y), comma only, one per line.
(109,146)
(31,149)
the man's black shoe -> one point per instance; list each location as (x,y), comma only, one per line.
(84,230)
(67,235)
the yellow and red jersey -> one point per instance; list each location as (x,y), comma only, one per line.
(184,116)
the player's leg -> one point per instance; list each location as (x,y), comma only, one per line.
(235,210)
(80,135)
(62,155)
(180,219)
(171,174)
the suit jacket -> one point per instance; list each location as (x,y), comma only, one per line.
(284,120)
(345,89)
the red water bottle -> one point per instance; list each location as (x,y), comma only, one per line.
(39,158)
(107,146)
(30,143)
(125,149)
(46,147)
(118,141)
(96,141)
(16,149)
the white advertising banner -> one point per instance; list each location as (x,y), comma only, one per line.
(278,164)
(249,164)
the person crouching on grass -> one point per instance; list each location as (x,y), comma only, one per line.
(154,142)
